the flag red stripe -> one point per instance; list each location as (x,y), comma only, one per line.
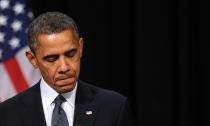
(15,75)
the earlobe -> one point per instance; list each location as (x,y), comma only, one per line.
(31,58)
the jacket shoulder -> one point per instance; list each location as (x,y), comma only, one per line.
(104,95)
(14,101)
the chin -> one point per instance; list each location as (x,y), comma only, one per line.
(66,89)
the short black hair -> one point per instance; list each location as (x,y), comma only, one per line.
(49,23)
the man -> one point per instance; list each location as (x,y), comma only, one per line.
(60,98)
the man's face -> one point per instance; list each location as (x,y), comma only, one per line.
(58,58)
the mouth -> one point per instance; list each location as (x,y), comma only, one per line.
(64,77)
(62,81)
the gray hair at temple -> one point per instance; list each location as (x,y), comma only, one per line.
(49,23)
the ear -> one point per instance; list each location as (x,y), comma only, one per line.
(31,58)
(81,42)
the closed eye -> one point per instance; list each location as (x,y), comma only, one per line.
(51,58)
(71,53)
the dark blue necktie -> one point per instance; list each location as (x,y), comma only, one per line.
(59,116)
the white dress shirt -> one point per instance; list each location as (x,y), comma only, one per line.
(48,96)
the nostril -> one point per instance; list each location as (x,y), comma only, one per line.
(64,71)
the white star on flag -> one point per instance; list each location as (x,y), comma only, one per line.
(30,15)
(18,8)
(14,43)
(16,26)
(2,35)
(3,20)
(4,4)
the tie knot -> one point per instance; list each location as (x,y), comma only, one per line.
(59,100)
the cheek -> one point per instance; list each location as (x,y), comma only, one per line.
(76,66)
(48,72)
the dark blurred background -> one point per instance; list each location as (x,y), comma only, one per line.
(155,52)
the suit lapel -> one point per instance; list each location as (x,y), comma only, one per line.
(85,110)
(33,113)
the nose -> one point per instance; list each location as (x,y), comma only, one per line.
(64,66)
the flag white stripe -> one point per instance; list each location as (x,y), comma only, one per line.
(6,87)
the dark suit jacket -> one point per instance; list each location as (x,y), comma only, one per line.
(108,108)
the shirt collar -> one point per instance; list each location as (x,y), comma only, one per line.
(48,94)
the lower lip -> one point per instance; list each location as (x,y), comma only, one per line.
(67,80)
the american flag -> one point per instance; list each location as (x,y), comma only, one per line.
(16,73)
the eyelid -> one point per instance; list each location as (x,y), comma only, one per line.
(50,58)
(71,52)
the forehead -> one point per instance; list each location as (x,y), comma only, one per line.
(56,42)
